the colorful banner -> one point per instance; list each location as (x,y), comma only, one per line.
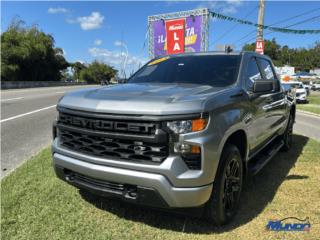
(192,41)
(175,36)
(274,29)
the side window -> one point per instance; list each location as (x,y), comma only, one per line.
(269,73)
(253,73)
(267,69)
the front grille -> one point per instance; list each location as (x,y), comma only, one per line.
(91,137)
(113,148)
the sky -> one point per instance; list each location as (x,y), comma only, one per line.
(108,30)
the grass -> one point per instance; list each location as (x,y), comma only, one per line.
(36,205)
(313,105)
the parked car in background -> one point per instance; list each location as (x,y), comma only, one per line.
(300,90)
(315,86)
(307,88)
(290,91)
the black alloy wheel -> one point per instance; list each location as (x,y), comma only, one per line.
(225,197)
(231,187)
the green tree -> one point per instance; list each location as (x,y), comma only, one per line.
(29,54)
(76,69)
(97,72)
(66,76)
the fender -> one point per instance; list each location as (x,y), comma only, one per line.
(230,131)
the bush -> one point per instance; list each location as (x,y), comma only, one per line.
(97,72)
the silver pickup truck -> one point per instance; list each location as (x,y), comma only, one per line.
(182,133)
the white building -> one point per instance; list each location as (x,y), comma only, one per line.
(285,70)
(315,71)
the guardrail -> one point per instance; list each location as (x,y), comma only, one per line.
(32,84)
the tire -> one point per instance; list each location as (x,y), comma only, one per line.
(287,136)
(224,201)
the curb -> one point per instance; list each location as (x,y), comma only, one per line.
(308,113)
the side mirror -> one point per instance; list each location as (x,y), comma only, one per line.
(260,86)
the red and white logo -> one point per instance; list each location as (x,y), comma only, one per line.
(175,36)
(260,47)
(175,27)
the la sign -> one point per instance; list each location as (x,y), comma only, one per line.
(175,30)
(260,46)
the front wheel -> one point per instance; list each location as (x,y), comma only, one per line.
(223,203)
(287,136)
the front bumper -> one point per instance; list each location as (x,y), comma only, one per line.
(152,189)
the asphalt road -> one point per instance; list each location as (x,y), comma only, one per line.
(27,116)
(307,125)
(26,123)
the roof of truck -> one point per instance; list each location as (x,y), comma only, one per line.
(216,53)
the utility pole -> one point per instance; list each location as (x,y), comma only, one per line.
(122,59)
(259,42)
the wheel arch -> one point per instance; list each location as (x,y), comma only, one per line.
(239,138)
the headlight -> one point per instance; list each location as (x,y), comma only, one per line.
(186,126)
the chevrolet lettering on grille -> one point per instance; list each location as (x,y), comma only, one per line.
(106,125)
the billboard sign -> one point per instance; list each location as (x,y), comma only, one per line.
(193,38)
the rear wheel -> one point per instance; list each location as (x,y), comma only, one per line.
(287,136)
(224,200)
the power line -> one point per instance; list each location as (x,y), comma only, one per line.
(294,24)
(299,15)
(279,22)
(233,27)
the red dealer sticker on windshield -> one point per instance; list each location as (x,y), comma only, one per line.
(175,36)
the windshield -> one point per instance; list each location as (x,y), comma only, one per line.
(214,70)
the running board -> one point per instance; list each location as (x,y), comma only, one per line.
(261,159)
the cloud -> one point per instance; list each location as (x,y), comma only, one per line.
(225,7)
(98,42)
(93,21)
(118,43)
(57,10)
(231,6)
(116,58)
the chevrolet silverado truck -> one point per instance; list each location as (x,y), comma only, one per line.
(182,133)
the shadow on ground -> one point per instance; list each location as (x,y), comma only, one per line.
(258,191)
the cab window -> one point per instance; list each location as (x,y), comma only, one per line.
(253,73)
(267,71)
